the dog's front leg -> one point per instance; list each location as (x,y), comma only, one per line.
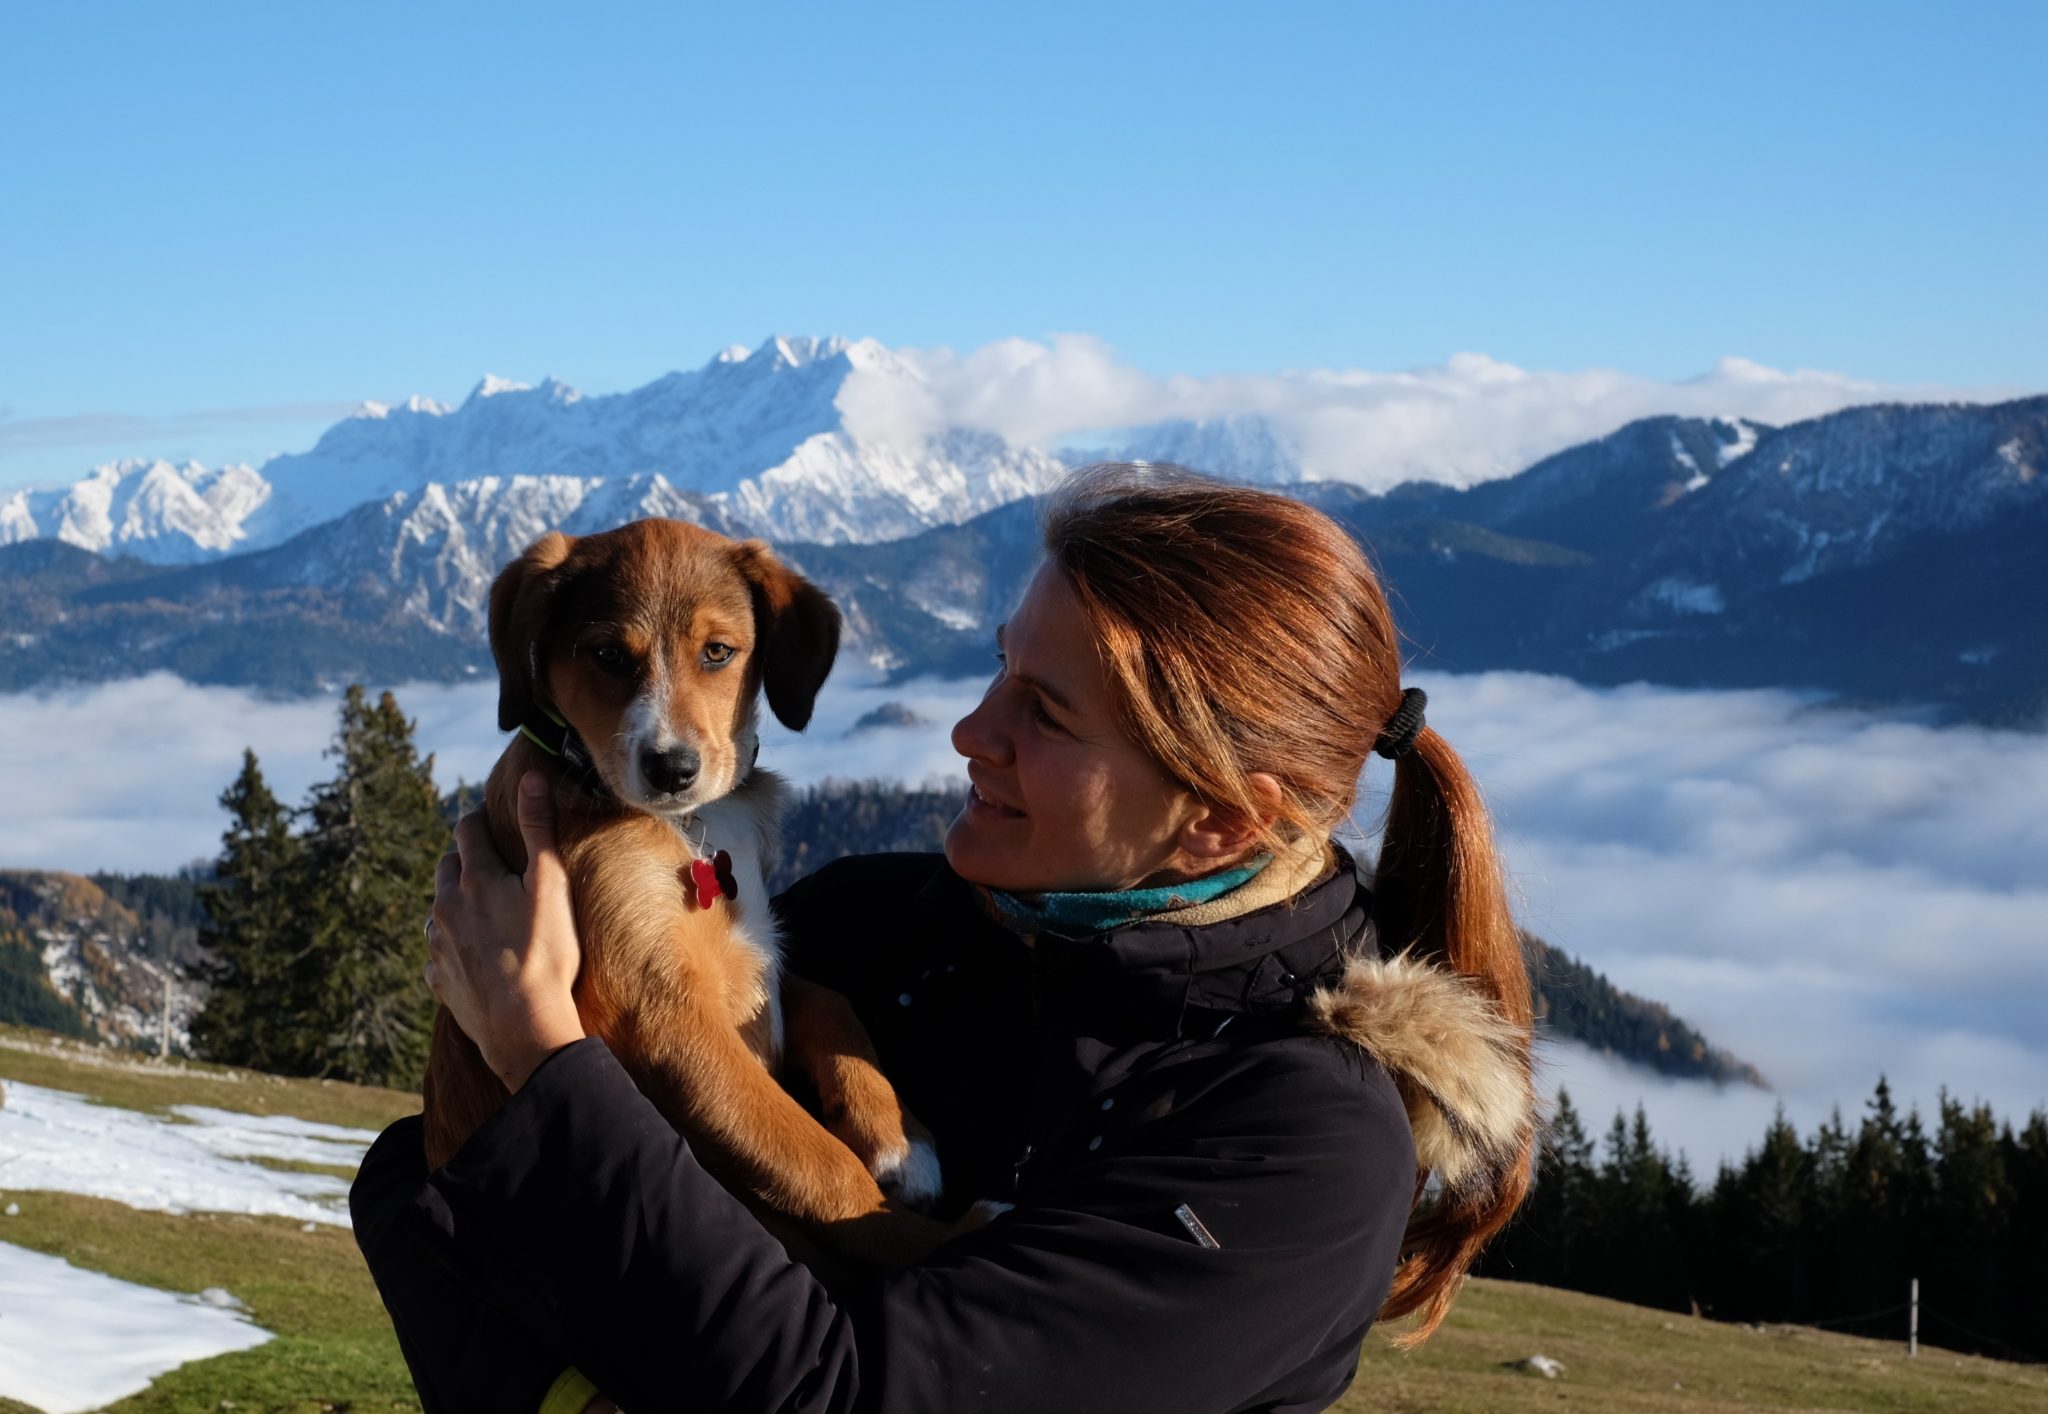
(826,1043)
(704,1079)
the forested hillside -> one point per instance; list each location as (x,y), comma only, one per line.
(92,956)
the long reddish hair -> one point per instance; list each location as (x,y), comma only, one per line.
(1246,632)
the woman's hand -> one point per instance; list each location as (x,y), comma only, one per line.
(501,947)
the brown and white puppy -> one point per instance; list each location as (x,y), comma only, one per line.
(630,662)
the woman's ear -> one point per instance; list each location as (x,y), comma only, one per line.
(519,599)
(796,633)
(1216,834)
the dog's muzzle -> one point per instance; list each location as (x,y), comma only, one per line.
(669,772)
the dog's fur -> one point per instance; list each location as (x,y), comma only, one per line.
(619,634)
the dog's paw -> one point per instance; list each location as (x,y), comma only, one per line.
(981,1214)
(910,1175)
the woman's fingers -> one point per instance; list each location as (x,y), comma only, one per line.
(502,947)
(448,874)
(479,861)
(544,869)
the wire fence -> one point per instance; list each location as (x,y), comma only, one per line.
(1851,1320)
(2012,1352)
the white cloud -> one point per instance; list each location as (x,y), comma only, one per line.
(1467,419)
(1829,894)
(127,776)
(1709,1124)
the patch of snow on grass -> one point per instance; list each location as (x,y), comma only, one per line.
(233,1135)
(197,1162)
(74,1340)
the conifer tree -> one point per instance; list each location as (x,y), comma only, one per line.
(1554,1237)
(374,837)
(1877,1194)
(1970,1220)
(253,929)
(2026,1161)
(1760,1218)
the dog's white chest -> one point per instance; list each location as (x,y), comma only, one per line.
(734,824)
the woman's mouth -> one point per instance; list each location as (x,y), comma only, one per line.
(979,803)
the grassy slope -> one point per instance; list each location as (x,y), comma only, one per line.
(335,1349)
(1622,1357)
(139,1083)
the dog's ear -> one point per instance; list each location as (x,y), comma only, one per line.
(519,600)
(796,633)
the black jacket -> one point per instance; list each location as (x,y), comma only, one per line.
(1138,1095)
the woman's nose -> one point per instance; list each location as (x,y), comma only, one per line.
(979,735)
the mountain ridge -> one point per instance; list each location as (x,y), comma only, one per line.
(1884,554)
(763,435)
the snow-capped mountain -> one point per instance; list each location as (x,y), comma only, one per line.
(156,511)
(1891,553)
(763,436)
(1245,447)
(1602,487)
(1846,490)
(429,555)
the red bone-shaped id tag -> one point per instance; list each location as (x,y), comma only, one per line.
(712,879)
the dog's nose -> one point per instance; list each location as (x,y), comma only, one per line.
(671,770)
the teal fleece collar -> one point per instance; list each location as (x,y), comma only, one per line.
(1078,914)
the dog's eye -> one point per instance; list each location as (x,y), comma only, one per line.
(611,658)
(717,655)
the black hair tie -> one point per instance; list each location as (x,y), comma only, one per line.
(1397,739)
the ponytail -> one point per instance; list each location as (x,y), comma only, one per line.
(1440,895)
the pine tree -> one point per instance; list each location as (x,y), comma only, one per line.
(2026,1161)
(1641,1200)
(1561,1211)
(1969,1225)
(1878,1194)
(1760,1227)
(252,929)
(374,837)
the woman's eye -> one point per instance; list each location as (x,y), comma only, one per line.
(718,654)
(610,657)
(1043,717)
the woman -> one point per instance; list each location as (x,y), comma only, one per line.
(1142,999)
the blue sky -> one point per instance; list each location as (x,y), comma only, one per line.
(218,224)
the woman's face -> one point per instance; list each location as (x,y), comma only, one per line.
(1062,800)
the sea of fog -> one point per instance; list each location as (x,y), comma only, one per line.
(1829,894)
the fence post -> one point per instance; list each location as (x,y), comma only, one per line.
(1913,1321)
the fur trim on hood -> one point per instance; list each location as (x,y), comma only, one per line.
(1462,1068)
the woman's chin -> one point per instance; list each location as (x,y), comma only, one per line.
(976,854)
(963,851)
